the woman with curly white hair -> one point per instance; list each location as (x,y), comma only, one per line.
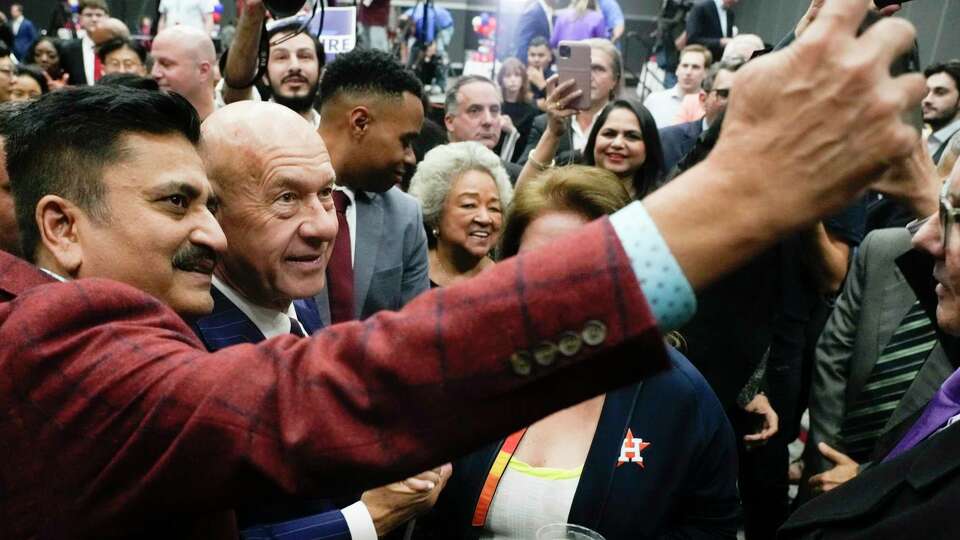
(464,190)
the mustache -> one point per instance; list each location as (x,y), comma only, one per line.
(194,258)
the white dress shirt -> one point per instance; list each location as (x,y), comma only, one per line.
(272,323)
(722,11)
(664,106)
(89,55)
(580,135)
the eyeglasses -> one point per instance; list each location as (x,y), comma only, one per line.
(948,215)
(722,93)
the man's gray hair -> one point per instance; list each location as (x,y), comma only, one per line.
(730,64)
(443,165)
(450,104)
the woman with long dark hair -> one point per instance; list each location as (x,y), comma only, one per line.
(625,141)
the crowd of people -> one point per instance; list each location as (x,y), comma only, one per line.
(250,293)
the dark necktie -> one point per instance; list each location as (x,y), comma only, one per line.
(898,365)
(340,268)
(944,406)
(295,328)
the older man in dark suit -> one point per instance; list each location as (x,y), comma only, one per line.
(915,480)
(113,411)
(264,283)
(711,24)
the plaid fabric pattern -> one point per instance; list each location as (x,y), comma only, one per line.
(116,422)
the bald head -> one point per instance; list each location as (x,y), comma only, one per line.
(237,140)
(275,183)
(743,46)
(185,62)
(109,28)
(191,42)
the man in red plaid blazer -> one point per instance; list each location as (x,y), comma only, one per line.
(116,422)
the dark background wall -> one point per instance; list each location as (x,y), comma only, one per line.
(937,20)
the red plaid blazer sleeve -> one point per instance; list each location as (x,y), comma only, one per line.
(114,415)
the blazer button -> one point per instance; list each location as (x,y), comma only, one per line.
(522,365)
(594,333)
(569,344)
(545,353)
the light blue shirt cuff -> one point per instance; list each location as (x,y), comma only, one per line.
(661,279)
(359,522)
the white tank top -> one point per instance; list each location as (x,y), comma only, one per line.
(528,498)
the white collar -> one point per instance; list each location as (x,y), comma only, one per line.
(269,321)
(349,193)
(720,7)
(53,274)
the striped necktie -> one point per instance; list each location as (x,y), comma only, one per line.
(892,375)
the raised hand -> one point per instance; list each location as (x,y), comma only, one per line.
(558,102)
(791,114)
(56,84)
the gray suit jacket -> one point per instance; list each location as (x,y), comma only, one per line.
(874,300)
(390,263)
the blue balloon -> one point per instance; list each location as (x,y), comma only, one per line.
(218,8)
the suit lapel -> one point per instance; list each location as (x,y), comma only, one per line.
(227,325)
(593,490)
(369,235)
(716,19)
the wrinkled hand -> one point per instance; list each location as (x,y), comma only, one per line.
(843,470)
(914,181)
(56,84)
(761,405)
(558,102)
(394,504)
(821,118)
(814,9)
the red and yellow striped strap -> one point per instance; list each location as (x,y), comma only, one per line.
(507,449)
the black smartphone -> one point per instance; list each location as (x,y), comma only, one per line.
(885,3)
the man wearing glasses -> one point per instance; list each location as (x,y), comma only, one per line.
(916,478)
(679,139)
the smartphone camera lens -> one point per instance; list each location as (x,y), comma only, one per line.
(565,51)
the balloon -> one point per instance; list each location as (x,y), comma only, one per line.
(218,8)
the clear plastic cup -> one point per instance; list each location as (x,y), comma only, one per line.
(567,531)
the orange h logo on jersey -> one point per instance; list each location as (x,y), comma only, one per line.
(630,451)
